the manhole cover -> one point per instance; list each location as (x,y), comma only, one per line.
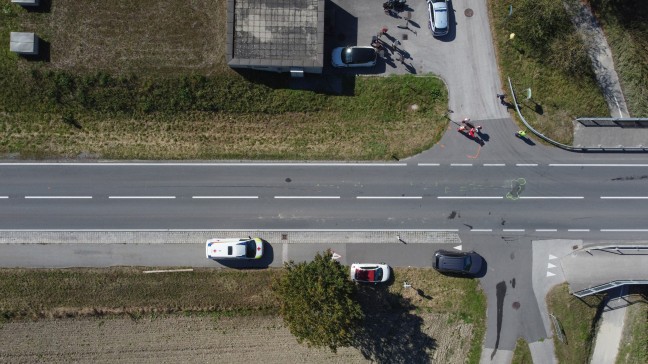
(284,236)
(468,13)
(404,36)
(516,305)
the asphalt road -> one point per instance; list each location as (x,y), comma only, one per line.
(541,198)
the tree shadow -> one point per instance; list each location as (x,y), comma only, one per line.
(391,333)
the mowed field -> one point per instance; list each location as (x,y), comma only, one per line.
(249,339)
(146,36)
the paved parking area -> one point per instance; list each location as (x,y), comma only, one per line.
(464,58)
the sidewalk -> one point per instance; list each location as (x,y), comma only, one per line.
(610,331)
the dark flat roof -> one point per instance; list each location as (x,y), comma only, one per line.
(276,32)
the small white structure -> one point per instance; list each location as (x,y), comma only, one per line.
(25,2)
(23,43)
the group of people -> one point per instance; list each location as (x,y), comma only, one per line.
(468,126)
(471,129)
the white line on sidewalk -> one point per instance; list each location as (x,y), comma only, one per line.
(389,197)
(58,197)
(624,197)
(221,197)
(546,230)
(551,197)
(142,197)
(526,164)
(308,197)
(470,197)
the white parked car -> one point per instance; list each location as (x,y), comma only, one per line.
(438,11)
(370,272)
(234,248)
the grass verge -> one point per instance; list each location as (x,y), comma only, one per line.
(578,318)
(522,353)
(433,292)
(370,125)
(47,293)
(633,348)
(547,56)
(626,28)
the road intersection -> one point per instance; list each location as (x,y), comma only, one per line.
(518,204)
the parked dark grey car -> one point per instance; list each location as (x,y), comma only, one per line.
(464,263)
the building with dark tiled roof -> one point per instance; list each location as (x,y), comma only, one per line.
(276,35)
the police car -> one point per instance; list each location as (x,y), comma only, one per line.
(251,248)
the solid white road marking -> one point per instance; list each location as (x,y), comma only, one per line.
(549,274)
(470,197)
(222,197)
(549,266)
(458,247)
(552,257)
(307,197)
(4,196)
(494,165)
(579,230)
(526,164)
(389,197)
(481,230)
(596,165)
(233,164)
(624,197)
(460,164)
(513,230)
(226,230)
(58,197)
(624,230)
(142,197)
(428,164)
(545,230)
(551,197)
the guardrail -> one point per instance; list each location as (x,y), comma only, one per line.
(565,146)
(606,286)
(622,249)
(614,122)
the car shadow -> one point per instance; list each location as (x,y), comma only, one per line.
(264,262)
(391,332)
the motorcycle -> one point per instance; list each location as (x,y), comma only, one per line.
(396,5)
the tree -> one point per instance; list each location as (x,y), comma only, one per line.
(318,302)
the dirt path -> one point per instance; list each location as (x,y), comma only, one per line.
(601,55)
(193,340)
